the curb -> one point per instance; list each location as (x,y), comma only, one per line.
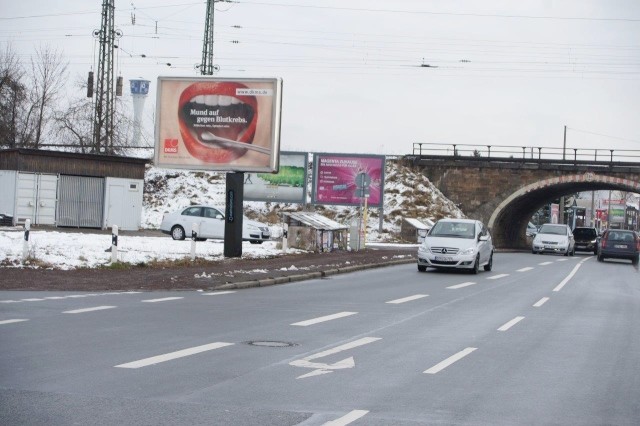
(308,276)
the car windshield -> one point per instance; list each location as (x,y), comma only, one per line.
(453,229)
(553,229)
(584,233)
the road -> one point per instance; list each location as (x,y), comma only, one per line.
(539,340)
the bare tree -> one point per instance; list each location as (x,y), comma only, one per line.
(49,73)
(12,98)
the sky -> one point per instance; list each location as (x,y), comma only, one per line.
(375,77)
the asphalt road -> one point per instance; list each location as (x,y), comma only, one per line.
(539,340)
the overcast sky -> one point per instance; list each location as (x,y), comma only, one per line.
(500,72)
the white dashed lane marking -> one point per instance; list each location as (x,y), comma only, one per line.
(541,302)
(81,311)
(217,293)
(510,324)
(173,355)
(348,418)
(467,284)
(11,321)
(447,362)
(164,299)
(528,268)
(408,299)
(495,277)
(323,319)
(545,263)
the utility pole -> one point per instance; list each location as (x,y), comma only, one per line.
(206,67)
(104,106)
(564,147)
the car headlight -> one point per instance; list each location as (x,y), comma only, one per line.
(470,250)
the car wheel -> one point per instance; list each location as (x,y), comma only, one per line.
(422,268)
(533,251)
(489,265)
(177,232)
(476,265)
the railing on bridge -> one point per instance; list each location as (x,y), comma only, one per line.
(526,153)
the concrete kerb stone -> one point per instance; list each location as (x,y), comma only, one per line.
(309,276)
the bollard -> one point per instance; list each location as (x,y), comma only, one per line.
(25,243)
(285,237)
(194,237)
(114,243)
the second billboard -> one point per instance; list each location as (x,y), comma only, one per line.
(346,179)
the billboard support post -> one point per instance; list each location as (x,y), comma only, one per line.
(233,215)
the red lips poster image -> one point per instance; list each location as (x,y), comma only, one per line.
(218,124)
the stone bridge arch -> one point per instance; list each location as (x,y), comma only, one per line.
(509,219)
(505,193)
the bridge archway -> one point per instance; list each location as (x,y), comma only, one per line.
(509,220)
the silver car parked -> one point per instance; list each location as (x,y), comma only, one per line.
(554,238)
(210,222)
(457,243)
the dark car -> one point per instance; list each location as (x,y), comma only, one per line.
(586,239)
(619,244)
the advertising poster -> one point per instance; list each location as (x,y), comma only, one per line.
(289,185)
(218,124)
(346,179)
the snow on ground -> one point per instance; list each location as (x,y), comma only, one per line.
(70,250)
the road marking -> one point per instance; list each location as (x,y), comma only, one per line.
(80,311)
(32,300)
(173,355)
(545,263)
(408,299)
(447,362)
(55,297)
(467,284)
(510,323)
(10,301)
(77,296)
(323,319)
(321,368)
(11,321)
(217,293)
(562,260)
(346,419)
(541,302)
(528,268)
(495,277)
(165,299)
(566,280)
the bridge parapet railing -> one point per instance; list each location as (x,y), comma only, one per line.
(527,153)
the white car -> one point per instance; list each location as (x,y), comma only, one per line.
(554,238)
(457,243)
(210,222)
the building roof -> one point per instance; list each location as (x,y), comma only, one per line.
(417,223)
(316,221)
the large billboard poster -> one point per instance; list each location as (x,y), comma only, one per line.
(289,185)
(346,179)
(218,124)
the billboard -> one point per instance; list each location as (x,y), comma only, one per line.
(289,185)
(218,124)
(347,179)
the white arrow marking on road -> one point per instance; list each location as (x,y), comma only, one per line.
(321,368)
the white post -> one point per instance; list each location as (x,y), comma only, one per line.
(114,244)
(194,236)
(285,237)
(25,243)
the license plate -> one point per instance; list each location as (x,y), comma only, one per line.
(444,258)
(621,246)
(549,247)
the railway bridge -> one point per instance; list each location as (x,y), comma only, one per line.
(505,186)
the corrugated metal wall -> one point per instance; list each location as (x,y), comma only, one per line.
(80,201)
